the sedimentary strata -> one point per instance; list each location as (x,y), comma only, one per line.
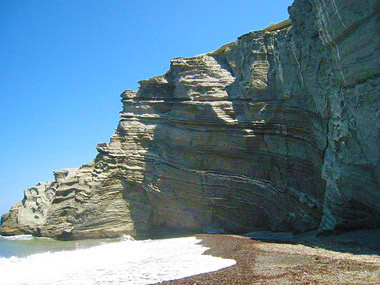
(278,130)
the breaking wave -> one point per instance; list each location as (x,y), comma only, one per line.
(18,237)
(124,262)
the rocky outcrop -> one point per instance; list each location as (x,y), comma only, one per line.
(278,131)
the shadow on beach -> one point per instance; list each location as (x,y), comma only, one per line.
(358,242)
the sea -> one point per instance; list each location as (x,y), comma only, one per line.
(28,260)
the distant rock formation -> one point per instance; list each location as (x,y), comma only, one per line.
(279,130)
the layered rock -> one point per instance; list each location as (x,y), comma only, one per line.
(278,130)
(349,31)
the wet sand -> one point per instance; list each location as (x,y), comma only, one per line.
(260,262)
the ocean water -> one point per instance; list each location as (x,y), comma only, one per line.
(29,260)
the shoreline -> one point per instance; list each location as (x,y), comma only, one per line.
(283,258)
(259,262)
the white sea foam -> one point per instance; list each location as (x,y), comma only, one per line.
(18,237)
(23,237)
(124,262)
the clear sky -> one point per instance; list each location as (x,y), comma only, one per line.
(64,63)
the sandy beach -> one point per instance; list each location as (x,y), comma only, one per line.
(317,262)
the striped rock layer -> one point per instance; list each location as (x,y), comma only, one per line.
(278,131)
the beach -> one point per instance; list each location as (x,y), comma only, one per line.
(316,262)
(277,258)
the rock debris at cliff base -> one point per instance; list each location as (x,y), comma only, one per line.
(277,131)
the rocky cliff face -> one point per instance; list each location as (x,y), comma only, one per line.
(278,130)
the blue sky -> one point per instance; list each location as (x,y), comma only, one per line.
(64,63)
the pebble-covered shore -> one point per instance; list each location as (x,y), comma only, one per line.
(278,263)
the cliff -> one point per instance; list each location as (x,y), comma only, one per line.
(278,131)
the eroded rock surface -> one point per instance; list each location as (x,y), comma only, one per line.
(278,131)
